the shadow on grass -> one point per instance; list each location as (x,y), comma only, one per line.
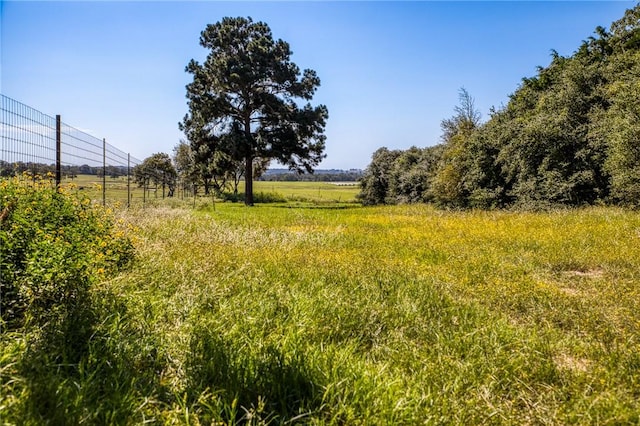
(276,199)
(258,197)
(234,383)
(91,366)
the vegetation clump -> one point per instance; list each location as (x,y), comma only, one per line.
(54,246)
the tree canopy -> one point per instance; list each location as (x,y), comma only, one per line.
(244,103)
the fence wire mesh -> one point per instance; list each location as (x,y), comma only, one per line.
(28,138)
(35,143)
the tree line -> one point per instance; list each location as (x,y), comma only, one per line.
(16,168)
(192,174)
(570,135)
(333,175)
(169,172)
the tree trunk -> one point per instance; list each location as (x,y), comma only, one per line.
(248,161)
(248,181)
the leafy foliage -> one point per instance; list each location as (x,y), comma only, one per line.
(449,179)
(620,126)
(54,245)
(375,184)
(399,176)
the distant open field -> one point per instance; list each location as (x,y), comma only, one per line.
(321,192)
(115,189)
(315,192)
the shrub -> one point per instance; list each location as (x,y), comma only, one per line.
(53,246)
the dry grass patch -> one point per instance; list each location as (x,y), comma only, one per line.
(571,363)
(593,273)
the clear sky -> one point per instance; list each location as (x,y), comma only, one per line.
(390,71)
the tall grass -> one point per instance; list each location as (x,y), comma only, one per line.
(377,315)
(400,314)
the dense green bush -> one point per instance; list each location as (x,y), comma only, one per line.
(53,246)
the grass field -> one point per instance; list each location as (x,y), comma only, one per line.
(340,314)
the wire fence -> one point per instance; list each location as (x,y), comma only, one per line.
(37,144)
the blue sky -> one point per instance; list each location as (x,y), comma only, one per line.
(390,71)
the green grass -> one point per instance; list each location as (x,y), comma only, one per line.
(316,192)
(339,314)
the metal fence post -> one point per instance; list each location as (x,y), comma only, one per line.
(58,151)
(128,180)
(104,172)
